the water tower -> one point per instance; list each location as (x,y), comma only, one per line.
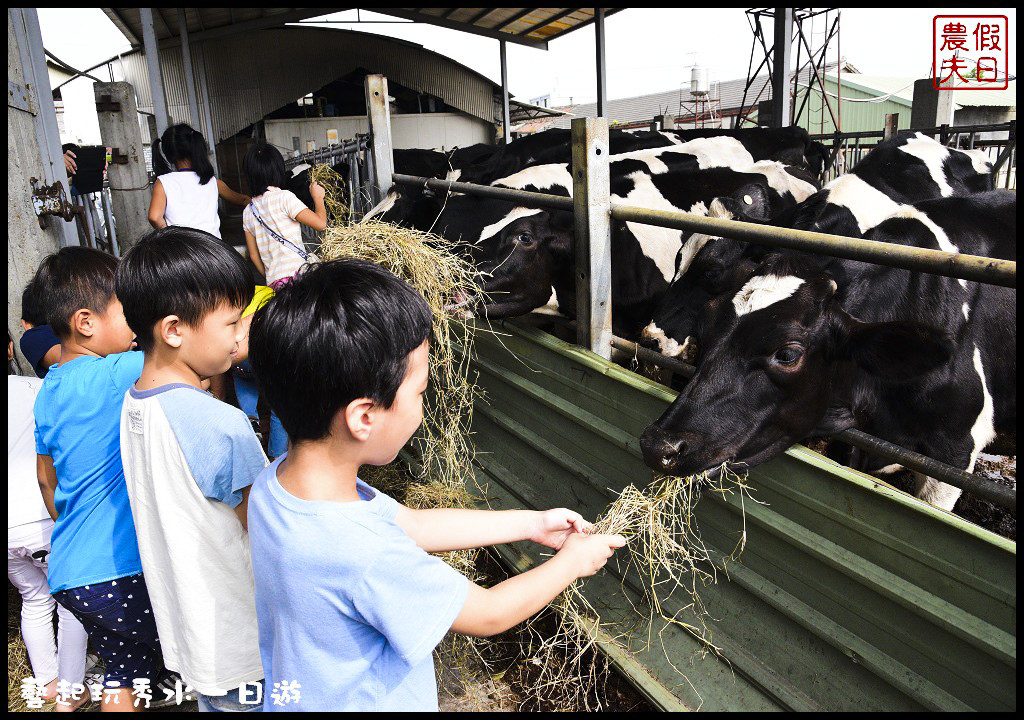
(700,107)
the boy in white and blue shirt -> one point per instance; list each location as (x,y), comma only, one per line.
(189,460)
(349,600)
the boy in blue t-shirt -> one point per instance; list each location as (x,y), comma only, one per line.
(349,602)
(95,571)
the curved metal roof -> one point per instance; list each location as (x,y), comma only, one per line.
(527,26)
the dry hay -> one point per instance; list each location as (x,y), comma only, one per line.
(334,196)
(666,552)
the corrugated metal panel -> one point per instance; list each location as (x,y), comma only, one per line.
(254,74)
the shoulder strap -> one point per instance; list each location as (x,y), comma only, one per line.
(284,241)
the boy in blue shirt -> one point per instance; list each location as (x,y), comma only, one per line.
(350,604)
(189,460)
(95,571)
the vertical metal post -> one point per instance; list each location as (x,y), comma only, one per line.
(780,66)
(602,87)
(506,120)
(156,80)
(379,114)
(892,123)
(186,59)
(592,220)
(109,217)
(204,91)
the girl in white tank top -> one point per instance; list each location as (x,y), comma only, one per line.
(188,195)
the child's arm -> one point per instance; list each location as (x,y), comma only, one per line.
(254,252)
(442,530)
(489,611)
(242,508)
(47,478)
(316,220)
(230,195)
(157,205)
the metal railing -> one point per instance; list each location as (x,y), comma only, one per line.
(847,149)
(94,220)
(986,270)
(359,178)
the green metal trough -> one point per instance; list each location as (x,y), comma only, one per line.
(850,595)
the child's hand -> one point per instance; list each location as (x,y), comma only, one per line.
(317,191)
(554,526)
(589,553)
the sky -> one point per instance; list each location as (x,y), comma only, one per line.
(648,49)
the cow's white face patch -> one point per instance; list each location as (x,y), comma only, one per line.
(941,238)
(868,205)
(539,176)
(932,154)
(551,308)
(299,168)
(981,162)
(764,290)
(967,312)
(496,227)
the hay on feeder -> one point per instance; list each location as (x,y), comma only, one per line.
(338,211)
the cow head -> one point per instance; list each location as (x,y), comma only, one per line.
(779,357)
(518,259)
(707,266)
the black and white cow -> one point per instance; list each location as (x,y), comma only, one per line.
(810,346)
(898,172)
(526,254)
(790,145)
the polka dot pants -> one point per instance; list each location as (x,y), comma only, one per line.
(118,618)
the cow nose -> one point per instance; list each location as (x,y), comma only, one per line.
(661,450)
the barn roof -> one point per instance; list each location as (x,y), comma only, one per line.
(527,26)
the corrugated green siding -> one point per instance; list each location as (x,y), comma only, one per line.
(849,596)
(855,116)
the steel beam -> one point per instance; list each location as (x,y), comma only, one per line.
(156,79)
(190,80)
(506,116)
(602,84)
(780,66)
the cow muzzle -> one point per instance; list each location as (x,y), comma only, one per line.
(669,452)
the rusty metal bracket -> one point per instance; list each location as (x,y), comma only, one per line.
(116,158)
(51,200)
(106,104)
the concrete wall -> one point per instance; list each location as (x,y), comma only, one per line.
(27,243)
(426,130)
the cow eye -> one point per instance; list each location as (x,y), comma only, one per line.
(788,356)
(713,273)
(524,239)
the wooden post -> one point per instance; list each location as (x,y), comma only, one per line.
(379,115)
(592,217)
(892,123)
(129,183)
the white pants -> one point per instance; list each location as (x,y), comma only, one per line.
(28,548)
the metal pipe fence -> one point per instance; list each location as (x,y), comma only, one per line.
(998,141)
(987,270)
(359,177)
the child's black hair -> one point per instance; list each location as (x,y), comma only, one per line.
(181,142)
(74,278)
(33,311)
(180,271)
(341,330)
(263,167)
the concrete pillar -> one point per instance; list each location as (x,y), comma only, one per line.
(204,92)
(28,156)
(129,183)
(780,67)
(378,113)
(932,108)
(156,78)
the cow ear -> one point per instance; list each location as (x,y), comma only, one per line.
(898,351)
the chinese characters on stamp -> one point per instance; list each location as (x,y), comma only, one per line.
(970,52)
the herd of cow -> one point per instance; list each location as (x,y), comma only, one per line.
(787,345)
